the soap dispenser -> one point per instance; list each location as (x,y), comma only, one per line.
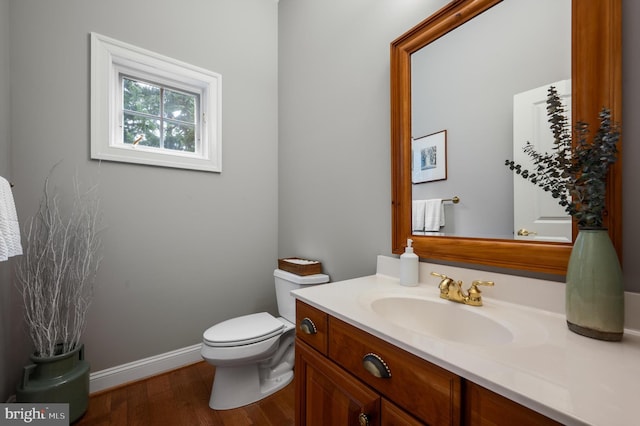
(409,266)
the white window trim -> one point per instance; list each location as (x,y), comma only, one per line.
(109,57)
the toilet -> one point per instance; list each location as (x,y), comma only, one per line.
(253,354)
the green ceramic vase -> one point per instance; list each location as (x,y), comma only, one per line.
(594,290)
(57,379)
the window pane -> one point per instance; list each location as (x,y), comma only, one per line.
(144,130)
(180,137)
(141,97)
(179,106)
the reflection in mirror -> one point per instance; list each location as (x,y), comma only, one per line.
(512,48)
(536,214)
(596,41)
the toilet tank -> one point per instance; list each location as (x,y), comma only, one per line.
(285,283)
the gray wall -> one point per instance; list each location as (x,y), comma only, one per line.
(334,172)
(631,144)
(4,88)
(6,290)
(182,249)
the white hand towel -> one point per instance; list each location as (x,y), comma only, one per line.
(9,228)
(417,210)
(433,214)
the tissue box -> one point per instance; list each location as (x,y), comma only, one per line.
(298,266)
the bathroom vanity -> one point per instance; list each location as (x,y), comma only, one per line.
(334,386)
(369,351)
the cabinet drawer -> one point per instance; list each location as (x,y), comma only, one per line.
(311,326)
(429,392)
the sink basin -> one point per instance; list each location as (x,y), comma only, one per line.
(446,320)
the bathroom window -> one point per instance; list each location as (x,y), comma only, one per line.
(159,117)
(150,109)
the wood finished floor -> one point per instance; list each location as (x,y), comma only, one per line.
(181,397)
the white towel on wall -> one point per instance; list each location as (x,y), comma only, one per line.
(417,210)
(433,214)
(9,228)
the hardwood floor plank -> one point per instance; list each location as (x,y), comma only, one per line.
(185,396)
(138,404)
(159,386)
(99,411)
(181,398)
(284,401)
(119,406)
(271,409)
(160,397)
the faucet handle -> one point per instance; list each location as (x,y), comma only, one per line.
(444,284)
(475,295)
(478,282)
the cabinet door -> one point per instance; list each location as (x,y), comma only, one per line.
(393,415)
(327,395)
(486,408)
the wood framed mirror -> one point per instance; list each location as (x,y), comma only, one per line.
(596,75)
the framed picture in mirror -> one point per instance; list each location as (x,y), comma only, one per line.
(429,157)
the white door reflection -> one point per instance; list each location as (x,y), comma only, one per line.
(536,214)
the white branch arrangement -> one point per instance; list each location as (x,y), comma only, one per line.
(56,274)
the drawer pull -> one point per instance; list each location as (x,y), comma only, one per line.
(308,327)
(376,366)
(363,419)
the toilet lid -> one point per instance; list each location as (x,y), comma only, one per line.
(243,330)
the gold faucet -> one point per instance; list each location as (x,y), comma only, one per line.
(452,290)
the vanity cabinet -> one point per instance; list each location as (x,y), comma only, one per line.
(346,376)
(335,387)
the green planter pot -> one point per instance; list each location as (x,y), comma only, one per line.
(58,379)
(594,290)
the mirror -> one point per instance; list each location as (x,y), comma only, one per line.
(481,130)
(595,80)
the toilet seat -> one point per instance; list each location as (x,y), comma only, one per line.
(243,330)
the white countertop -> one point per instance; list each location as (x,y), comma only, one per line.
(570,378)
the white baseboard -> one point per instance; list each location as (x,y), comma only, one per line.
(136,370)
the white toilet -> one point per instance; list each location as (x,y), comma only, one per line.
(253,354)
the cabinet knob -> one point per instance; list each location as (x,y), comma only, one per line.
(307,326)
(363,419)
(376,366)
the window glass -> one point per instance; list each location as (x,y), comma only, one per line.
(157,116)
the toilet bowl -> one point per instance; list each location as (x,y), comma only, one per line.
(254,354)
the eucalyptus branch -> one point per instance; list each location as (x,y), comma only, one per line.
(574,173)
